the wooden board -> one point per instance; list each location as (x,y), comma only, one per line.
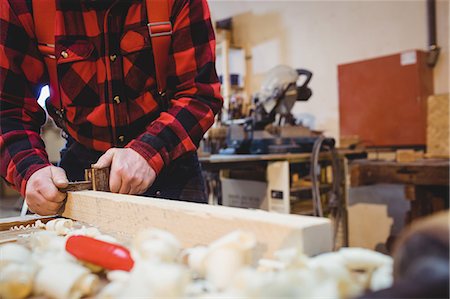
(383,100)
(408,155)
(7,223)
(195,224)
(24,223)
(438,126)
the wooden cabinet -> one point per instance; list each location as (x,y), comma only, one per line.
(384,100)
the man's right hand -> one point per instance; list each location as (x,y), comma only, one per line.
(41,192)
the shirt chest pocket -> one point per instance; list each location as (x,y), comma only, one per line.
(138,64)
(77,72)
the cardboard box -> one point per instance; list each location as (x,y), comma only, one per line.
(244,194)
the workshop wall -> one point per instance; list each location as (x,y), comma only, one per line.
(319,35)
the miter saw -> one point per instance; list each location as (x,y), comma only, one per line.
(271,128)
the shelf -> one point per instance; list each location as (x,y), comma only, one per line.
(298,193)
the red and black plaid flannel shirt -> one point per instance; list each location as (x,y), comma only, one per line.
(107,82)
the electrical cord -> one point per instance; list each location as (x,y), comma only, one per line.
(317,204)
(335,204)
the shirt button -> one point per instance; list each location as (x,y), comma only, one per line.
(121,138)
(64,54)
(117,99)
(113,57)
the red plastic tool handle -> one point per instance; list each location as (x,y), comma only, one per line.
(107,255)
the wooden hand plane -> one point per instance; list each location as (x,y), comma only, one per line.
(96,179)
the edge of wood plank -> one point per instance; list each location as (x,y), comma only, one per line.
(7,223)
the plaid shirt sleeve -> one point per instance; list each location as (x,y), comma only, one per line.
(196,97)
(192,84)
(22,71)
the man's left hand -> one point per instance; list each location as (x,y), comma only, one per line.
(130,172)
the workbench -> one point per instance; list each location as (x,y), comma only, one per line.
(280,193)
(214,162)
(276,165)
(426,181)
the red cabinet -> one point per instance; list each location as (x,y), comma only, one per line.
(383,100)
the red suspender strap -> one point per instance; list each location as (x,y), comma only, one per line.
(160,29)
(44,12)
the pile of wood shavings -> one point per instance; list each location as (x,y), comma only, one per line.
(40,266)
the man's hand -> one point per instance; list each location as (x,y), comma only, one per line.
(41,193)
(130,172)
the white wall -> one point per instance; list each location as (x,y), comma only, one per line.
(319,35)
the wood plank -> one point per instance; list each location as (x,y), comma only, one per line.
(422,172)
(408,155)
(438,126)
(194,224)
(7,223)
(7,235)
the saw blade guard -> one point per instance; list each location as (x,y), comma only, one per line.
(275,84)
